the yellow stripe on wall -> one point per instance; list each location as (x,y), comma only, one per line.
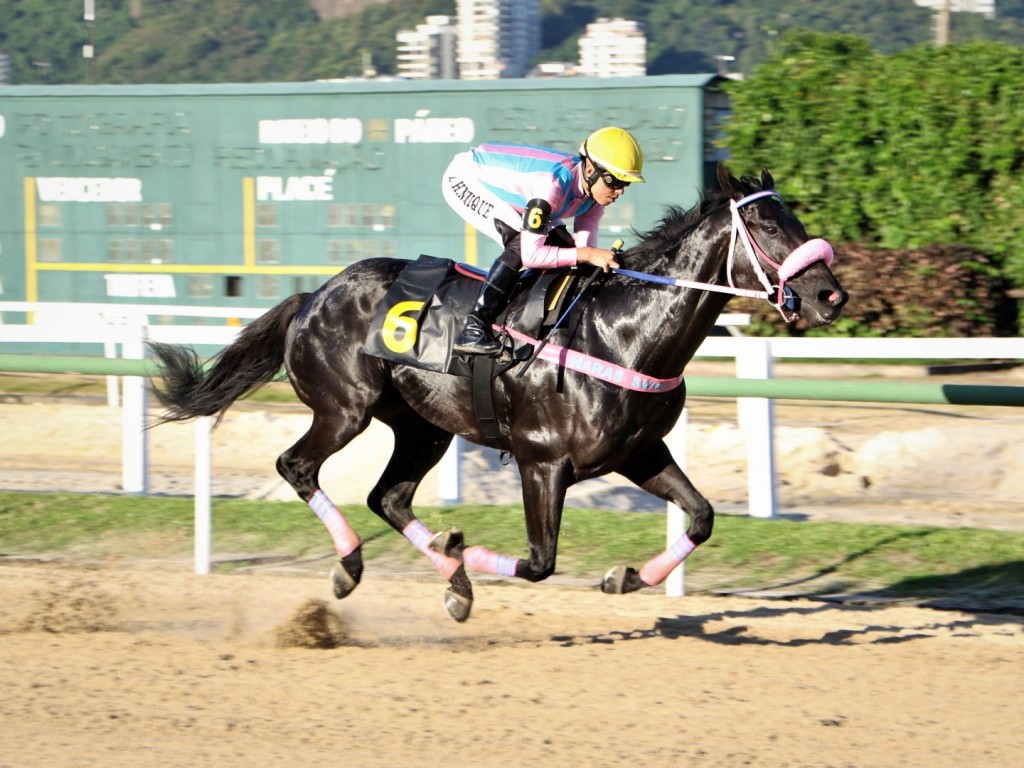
(249,222)
(31,241)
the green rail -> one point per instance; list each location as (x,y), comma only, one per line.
(84,366)
(706,386)
(857,391)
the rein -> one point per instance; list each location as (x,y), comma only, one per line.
(799,259)
(778,295)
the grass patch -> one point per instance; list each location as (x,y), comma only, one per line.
(812,557)
(48,385)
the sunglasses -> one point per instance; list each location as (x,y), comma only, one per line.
(611,182)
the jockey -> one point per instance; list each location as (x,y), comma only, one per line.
(519,195)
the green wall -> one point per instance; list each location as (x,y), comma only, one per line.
(244,194)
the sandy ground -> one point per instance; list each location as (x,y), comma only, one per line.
(140,668)
(151,665)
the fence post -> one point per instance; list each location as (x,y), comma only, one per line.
(134,454)
(202,491)
(449,479)
(675,525)
(757,420)
(113,384)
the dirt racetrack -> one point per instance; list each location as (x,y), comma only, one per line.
(149,665)
(119,668)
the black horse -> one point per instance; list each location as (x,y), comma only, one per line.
(562,426)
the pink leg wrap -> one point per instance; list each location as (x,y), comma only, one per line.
(420,536)
(483,560)
(657,569)
(345,539)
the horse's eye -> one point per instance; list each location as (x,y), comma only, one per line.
(771,230)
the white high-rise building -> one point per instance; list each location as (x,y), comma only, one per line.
(613,48)
(987,8)
(428,52)
(497,38)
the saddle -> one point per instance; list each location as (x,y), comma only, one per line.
(425,309)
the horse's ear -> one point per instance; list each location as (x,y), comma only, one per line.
(767,182)
(728,183)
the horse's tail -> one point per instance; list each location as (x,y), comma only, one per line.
(192,389)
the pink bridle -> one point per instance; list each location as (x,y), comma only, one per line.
(798,260)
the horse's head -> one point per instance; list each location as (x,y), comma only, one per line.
(771,250)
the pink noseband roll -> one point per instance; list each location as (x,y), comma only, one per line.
(805,255)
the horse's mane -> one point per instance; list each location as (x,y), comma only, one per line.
(677,224)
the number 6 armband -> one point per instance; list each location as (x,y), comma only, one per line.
(536,216)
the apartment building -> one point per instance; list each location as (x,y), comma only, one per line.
(429,51)
(497,38)
(613,48)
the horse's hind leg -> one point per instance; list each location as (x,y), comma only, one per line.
(419,445)
(300,466)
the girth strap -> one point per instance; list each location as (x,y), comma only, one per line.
(483,399)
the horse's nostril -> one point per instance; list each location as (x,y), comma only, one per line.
(835,298)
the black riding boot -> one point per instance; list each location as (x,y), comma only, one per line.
(476,337)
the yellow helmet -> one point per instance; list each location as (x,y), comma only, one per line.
(616,151)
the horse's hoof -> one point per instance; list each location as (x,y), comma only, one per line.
(449,543)
(620,580)
(342,582)
(458,599)
(458,606)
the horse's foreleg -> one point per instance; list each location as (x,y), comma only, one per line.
(483,560)
(544,489)
(543,497)
(656,472)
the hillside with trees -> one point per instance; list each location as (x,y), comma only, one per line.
(176,41)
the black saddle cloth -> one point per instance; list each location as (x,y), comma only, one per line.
(425,308)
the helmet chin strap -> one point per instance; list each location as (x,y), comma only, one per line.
(589,180)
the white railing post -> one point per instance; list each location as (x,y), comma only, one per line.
(675,525)
(757,420)
(202,491)
(134,454)
(113,394)
(449,479)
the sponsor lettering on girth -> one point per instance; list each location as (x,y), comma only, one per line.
(613,373)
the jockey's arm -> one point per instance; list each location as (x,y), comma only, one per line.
(536,254)
(587,252)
